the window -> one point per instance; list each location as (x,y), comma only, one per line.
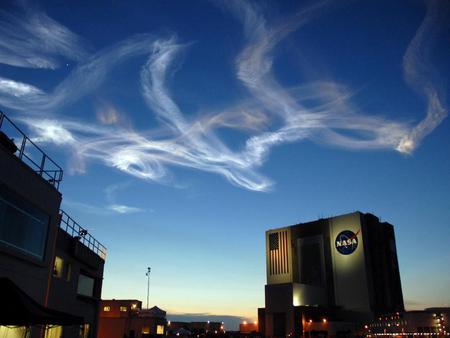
(22,226)
(54,332)
(159,329)
(145,330)
(85,285)
(84,330)
(107,308)
(123,309)
(15,331)
(58,267)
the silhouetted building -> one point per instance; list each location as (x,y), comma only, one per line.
(208,328)
(328,275)
(120,318)
(46,267)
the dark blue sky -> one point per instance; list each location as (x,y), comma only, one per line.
(188,128)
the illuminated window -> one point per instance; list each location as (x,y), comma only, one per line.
(145,330)
(14,331)
(159,329)
(123,309)
(54,331)
(107,308)
(58,267)
(84,331)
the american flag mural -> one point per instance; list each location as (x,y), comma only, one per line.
(278,253)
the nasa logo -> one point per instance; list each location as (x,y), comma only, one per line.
(346,242)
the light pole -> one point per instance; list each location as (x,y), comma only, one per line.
(148,282)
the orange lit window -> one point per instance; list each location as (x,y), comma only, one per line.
(107,308)
(123,309)
(159,329)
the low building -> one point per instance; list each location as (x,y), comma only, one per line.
(120,318)
(42,261)
(208,328)
(428,322)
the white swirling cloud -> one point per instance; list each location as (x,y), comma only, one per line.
(322,111)
(18,89)
(33,40)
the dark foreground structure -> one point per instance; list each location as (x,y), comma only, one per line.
(329,277)
(51,269)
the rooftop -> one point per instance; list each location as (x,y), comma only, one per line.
(72,228)
(19,144)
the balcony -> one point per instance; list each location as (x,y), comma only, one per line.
(81,235)
(19,144)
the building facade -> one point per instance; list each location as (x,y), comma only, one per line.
(333,272)
(125,318)
(45,264)
(77,277)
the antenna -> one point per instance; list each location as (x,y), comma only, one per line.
(148,282)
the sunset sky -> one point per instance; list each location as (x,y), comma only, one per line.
(186,129)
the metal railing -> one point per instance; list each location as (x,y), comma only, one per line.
(30,153)
(76,231)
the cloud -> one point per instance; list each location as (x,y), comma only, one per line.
(103,210)
(85,77)
(18,89)
(31,39)
(124,209)
(332,123)
(51,131)
(323,111)
(85,207)
(107,114)
(111,192)
(422,77)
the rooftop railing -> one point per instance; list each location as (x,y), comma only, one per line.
(76,231)
(26,150)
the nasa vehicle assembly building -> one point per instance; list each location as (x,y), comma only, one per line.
(329,276)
